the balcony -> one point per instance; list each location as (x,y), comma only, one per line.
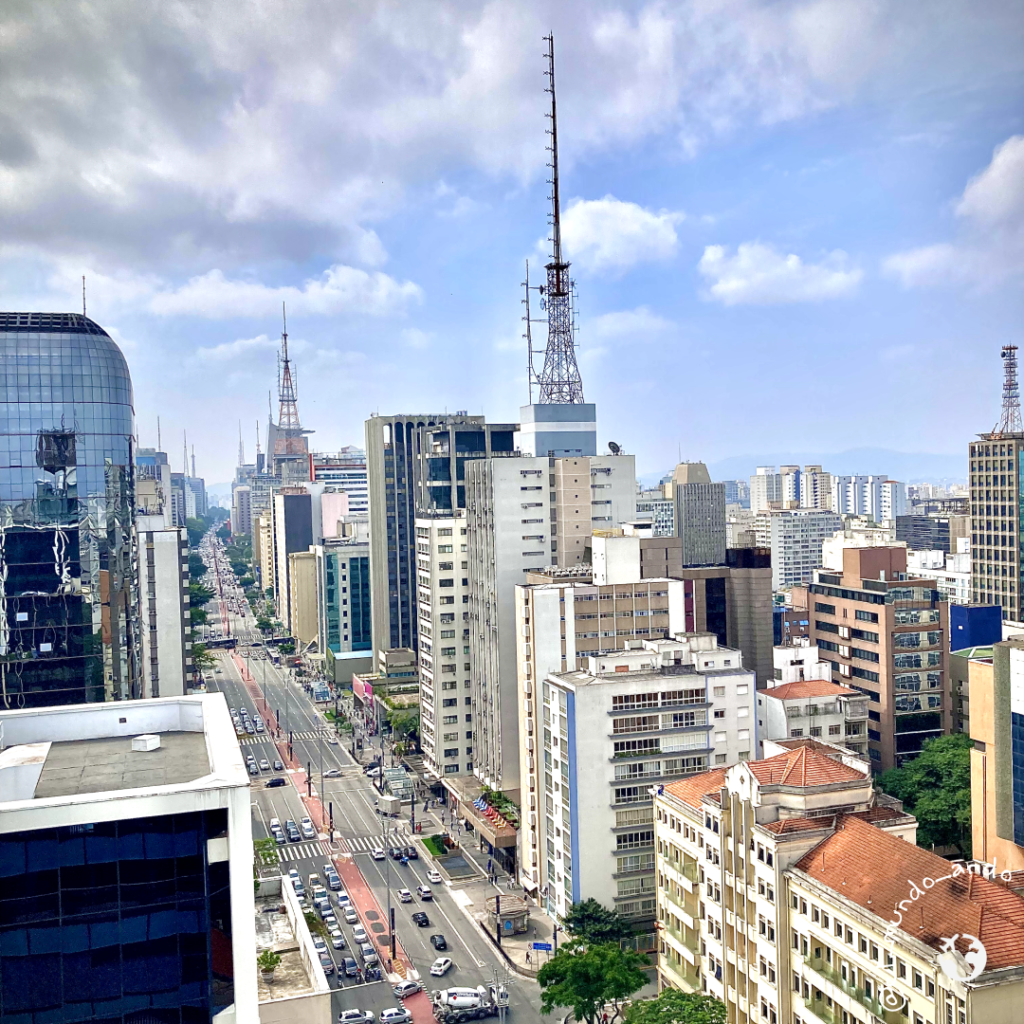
(856,712)
(821,1011)
(834,978)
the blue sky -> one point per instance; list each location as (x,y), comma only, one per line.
(793,225)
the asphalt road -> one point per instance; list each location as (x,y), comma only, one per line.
(359,829)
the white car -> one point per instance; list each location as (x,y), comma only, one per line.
(351,917)
(337,939)
(440,966)
(434,876)
(404,896)
(319,945)
(395,1015)
(356,1017)
(378,853)
(332,773)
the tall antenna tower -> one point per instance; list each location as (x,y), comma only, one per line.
(288,408)
(193,461)
(184,446)
(241,445)
(257,439)
(1009,420)
(559,381)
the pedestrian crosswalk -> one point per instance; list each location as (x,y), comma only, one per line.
(366,844)
(304,851)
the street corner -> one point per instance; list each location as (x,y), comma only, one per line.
(420,1007)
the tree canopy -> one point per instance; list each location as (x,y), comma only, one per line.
(202,659)
(673,1006)
(592,922)
(588,977)
(936,788)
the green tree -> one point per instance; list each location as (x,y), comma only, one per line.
(202,659)
(936,788)
(198,594)
(673,1006)
(263,623)
(196,528)
(224,533)
(198,616)
(404,722)
(587,978)
(266,852)
(196,566)
(288,647)
(592,922)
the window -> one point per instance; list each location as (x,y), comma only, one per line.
(719,712)
(719,691)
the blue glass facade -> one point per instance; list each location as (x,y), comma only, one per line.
(1017,774)
(120,922)
(67,561)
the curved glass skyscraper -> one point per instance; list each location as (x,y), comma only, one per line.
(68,623)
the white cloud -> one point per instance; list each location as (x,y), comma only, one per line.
(627,323)
(610,234)
(990,246)
(230,350)
(415,338)
(759,274)
(339,289)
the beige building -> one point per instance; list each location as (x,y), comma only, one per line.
(888,637)
(997,758)
(263,549)
(304,618)
(777,881)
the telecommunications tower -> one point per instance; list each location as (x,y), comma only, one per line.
(559,381)
(290,434)
(1009,419)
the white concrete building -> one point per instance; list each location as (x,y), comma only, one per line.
(799,660)
(952,573)
(815,708)
(857,532)
(164,614)
(795,537)
(241,509)
(442,604)
(525,514)
(134,819)
(874,496)
(607,734)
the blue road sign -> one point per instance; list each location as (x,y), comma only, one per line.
(542,945)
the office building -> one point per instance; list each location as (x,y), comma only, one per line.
(887,635)
(70,607)
(737,492)
(292,531)
(952,572)
(442,604)
(263,550)
(241,510)
(607,734)
(345,470)
(856,532)
(777,880)
(660,512)
(740,527)
(700,514)
(153,484)
(558,431)
(796,538)
(126,841)
(996,726)
(525,514)
(165,629)
(303,620)
(933,532)
(416,463)
(343,601)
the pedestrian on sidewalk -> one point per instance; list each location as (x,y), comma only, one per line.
(527,956)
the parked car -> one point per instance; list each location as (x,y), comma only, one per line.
(438,941)
(395,1015)
(421,919)
(356,1017)
(406,988)
(440,966)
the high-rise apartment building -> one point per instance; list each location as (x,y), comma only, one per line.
(777,881)
(153,484)
(303,620)
(887,635)
(525,514)
(795,537)
(416,463)
(700,514)
(874,496)
(442,605)
(345,470)
(292,530)
(996,679)
(126,840)
(241,510)
(343,593)
(790,487)
(653,507)
(67,497)
(566,734)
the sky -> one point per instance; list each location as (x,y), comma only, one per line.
(793,225)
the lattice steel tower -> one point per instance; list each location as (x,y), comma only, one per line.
(290,433)
(1010,420)
(560,382)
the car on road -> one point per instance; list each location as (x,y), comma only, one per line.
(433,875)
(248,725)
(368,953)
(337,939)
(308,832)
(396,852)
(293,873)
(421,919)
(440,966)
(372,773)
(323,907)
(330,922)
(395,1015)
(342,897)
(406,988)
(319,945)
(307,821)
(276,782)
(293,835)
(356,1017)
(351,917)
(438,941)
(404,896)
(259,724)
(300,889)
(378,853)
(332,773)
(359,934)
(410,852)
(278,766)
(253,770)
(326,962)
(278,835)
(264,765)
(424,893)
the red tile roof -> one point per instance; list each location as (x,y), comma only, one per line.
(803,766)
(691,789)
(787,825)
(848,862)
(809,688)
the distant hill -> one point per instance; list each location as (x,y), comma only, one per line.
(909,467)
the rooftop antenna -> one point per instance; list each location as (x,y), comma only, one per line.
(257,438)
(1009,420)
(159,443)
(241,445)
(194,462)
(184,435)
(288,411)
(560,382)
(83,295)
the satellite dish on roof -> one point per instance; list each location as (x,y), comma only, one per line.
(614,448)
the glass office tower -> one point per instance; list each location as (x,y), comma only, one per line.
(68,619)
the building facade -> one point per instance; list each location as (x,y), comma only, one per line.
(343,595)
(68,601)
(795,537)
(442,603)
(303,620)
(345,470)
(816,708)
(888,636)
(126,839)
(700,514)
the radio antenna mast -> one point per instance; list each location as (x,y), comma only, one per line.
(1009,420)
